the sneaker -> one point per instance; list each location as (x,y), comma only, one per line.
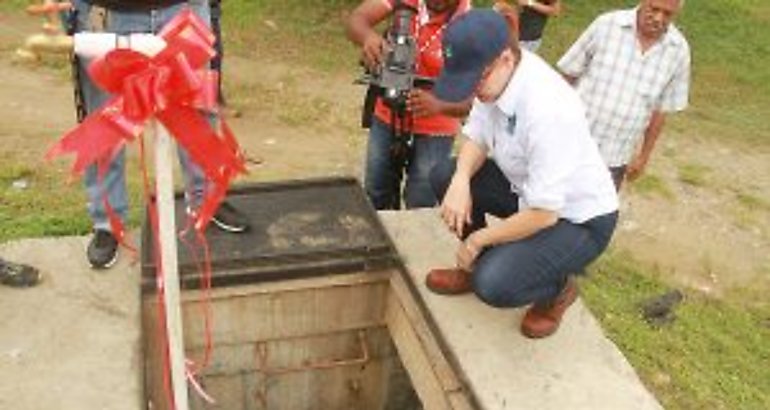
(102,250)
(18,275)
(542,320)
(229,219)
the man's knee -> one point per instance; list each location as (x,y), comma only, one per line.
(493,286)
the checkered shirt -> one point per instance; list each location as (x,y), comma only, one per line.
(622,87)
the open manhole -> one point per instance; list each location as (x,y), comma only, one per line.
(309,310)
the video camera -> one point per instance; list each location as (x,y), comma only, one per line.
(395,78)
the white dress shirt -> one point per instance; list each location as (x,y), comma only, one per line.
(538,135)
(621,86)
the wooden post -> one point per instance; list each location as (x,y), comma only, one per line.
(164,181)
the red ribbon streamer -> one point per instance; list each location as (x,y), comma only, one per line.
(175,88)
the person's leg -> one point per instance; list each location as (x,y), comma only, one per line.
(218,60)
(531,270)
(490,190)
(379,177)
(111,185)
(536,270)
(618,175)
(102,249)
(227,217)
(427,151)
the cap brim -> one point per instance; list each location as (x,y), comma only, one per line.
(456,87)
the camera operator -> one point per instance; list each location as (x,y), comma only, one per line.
(432,132)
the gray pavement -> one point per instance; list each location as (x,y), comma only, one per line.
(72,342)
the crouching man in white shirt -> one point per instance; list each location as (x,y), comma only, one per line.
(529,160)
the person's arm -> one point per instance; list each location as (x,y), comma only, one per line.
(360,29)
(457,203)
(651,134)
(576,60)
(518,226)
(423,103)
(551,10)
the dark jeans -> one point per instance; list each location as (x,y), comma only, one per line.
(379,178)
(533,269)
(216,62)
(618,173)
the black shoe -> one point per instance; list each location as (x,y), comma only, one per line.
(18,275)
(230,219)
(102,250)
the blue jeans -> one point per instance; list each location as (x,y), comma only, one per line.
(379,181)
(113,183)
(533,269)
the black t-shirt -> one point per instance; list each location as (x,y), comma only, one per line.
(532,23)
(134,4)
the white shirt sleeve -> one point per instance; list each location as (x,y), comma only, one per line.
(554,156)
(575,61)
(675,96)
(478,126)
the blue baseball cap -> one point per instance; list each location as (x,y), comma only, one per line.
(470,43)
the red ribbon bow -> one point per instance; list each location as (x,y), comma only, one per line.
(175,87)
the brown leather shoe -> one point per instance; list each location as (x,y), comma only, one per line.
(448,281)
(543,320)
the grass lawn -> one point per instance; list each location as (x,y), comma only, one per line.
(716,355)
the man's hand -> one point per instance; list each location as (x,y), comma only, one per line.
(457,205)
(422,103)
(467,253)
(636,168)
(373,49)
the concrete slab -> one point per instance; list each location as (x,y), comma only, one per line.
(72,342)
(577,368)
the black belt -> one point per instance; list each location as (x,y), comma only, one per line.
(134,5)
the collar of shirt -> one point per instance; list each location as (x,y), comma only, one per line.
(424,16)
(627,20)
(509,98)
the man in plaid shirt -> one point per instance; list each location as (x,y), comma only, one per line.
(630,67)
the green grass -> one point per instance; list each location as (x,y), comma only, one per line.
(750,211)
(715,355)
(13,5)
(650,184)
(34,211)
(752,202)
(694,174)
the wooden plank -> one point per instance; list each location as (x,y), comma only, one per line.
(164,181)
(436,356)
(293,312)
(269,288)
(414,357)
(460,401)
